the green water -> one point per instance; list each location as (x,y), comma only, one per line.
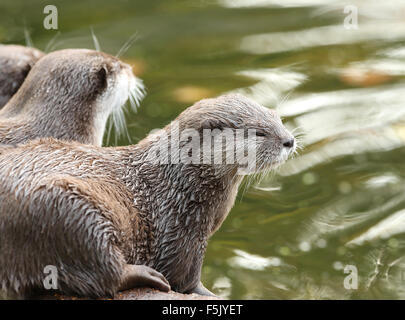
(339,202)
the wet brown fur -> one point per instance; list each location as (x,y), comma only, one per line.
(89,210)
(59,98)
(15,63)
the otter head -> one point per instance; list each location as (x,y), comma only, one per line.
(234,134)
(72,92)
(15,63)
(202,157)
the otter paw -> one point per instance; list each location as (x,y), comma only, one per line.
(143,276)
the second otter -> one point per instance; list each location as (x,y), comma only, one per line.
(15,63)
(69,94)
(107,218)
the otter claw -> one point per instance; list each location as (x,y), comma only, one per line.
(140,275)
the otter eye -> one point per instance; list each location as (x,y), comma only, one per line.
(212,124)
(260,134)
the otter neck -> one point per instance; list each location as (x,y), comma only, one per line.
(182,205)
(68,120)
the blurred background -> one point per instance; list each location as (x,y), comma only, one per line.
(341,87)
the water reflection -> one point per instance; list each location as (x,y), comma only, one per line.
(390,226)
(321,36)
(272,84)
(352,163)
(253,262)
(223,287)
(273,3)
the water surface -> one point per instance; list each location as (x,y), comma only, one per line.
(341,201)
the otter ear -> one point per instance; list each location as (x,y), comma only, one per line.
(102,76)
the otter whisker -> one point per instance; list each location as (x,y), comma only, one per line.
(119,120)
(127,45)
(135,93)
(284,98)
(294,131)
(110,124)
(95,40)
(28,39)
(51,42)
(128,135)
(253,178)
(133,103)
(244,188)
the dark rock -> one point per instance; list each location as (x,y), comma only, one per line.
(139,294)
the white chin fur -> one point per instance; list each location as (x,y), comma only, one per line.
(282,157)
(124,87)
(127,87)
(284,154)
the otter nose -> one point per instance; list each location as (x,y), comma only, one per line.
(288,143)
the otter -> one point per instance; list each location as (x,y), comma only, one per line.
(68,95)
(15,63)
(110,218)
